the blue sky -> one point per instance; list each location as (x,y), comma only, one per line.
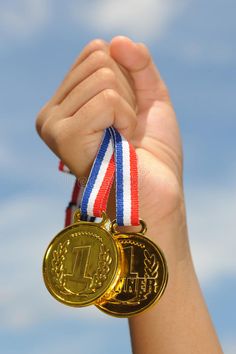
(193,44)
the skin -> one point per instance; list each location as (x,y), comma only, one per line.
(118,84)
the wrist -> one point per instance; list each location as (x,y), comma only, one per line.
(170,233)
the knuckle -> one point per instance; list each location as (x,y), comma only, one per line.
(100,58)
(43,122)
(46,132)
(97,43)
(107,76)
(41,116)
(111,97)
(53,135)
(94,45)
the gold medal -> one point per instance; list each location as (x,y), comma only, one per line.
(82,262)
(143,278)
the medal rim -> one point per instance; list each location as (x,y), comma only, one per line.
(118,260)
(99,303)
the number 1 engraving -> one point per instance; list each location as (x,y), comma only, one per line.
(129,252)
(81,259)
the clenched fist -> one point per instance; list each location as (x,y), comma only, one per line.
(118,84)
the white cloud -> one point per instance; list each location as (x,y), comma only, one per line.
(211,220)
(145,19)
(22,19)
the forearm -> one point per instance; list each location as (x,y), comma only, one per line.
(180,322)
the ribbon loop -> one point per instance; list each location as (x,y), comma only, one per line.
(115,156)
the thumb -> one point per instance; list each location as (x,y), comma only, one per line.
(136,58)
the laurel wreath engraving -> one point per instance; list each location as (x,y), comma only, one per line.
(151,265)
(58,260)
(103,269)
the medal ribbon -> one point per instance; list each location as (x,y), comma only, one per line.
(115,155)
(97,190)
(127,206)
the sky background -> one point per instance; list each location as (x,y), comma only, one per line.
(193,44)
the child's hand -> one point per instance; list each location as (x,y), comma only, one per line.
(118,84)
(95,94)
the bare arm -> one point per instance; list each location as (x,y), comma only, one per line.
(180,323)
(118,84)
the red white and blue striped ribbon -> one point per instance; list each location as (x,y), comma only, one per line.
(127,205)
(97,190)
(117,155)
(75,202)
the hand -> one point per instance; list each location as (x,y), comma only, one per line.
(118,84)
(95,94)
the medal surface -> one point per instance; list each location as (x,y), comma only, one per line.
(82,262)
(143,278)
